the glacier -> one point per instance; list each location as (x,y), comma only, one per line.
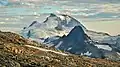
(66,33)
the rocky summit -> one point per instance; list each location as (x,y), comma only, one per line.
(16,51)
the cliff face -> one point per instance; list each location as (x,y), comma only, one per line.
(15,51)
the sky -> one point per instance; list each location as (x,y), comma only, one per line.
(98,15)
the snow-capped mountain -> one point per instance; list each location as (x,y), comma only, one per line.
(66,33)
(54,25)
(58,25)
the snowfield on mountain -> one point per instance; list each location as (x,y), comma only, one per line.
(67,34)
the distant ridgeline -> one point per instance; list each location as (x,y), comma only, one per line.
(66,33)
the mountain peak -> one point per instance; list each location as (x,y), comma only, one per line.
(76,32)
(34,22)
(77,28)
(52,15)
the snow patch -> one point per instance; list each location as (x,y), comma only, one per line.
(87,53)
(105,47)
(69,48)
(118,53)
(46,50)
(62,17)
(58,45)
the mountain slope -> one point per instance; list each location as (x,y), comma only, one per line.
(77,42)
(27,54)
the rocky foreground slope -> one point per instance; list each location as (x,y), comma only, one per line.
(15,51)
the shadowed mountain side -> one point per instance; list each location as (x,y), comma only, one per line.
(77,42)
